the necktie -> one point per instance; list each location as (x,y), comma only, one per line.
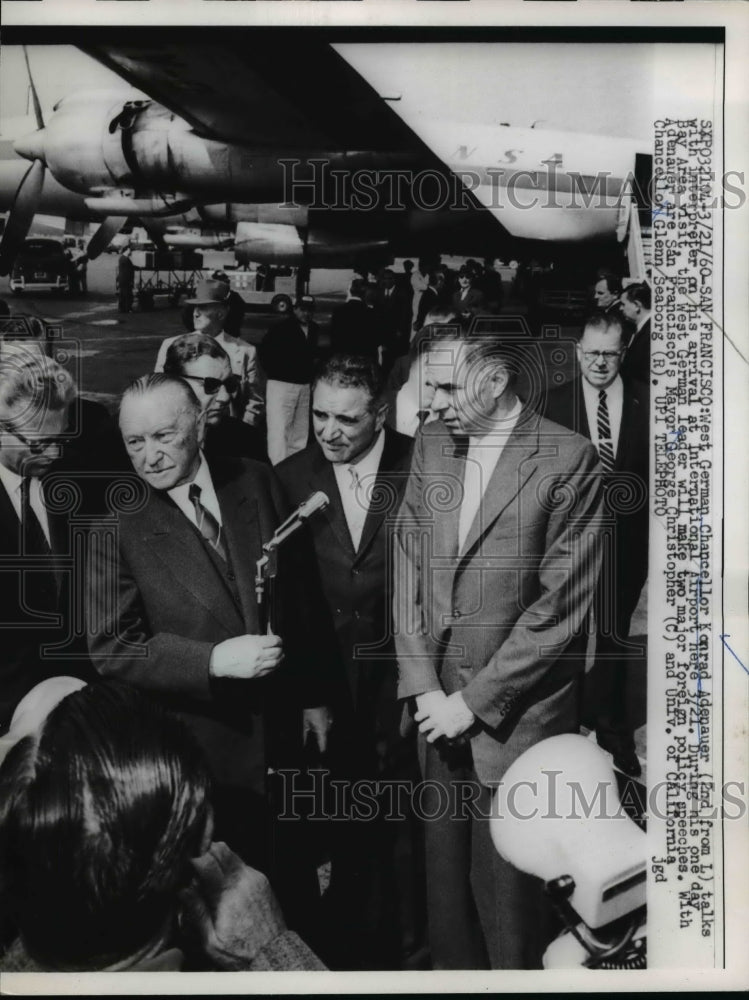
(40,586)
(355,508)
(605,444)
(208,526)
(34,540)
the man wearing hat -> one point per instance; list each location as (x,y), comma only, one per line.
(210,310)
(288,354)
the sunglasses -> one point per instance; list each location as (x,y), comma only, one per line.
(211,386)
(35,445)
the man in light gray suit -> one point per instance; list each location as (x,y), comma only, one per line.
(496,563)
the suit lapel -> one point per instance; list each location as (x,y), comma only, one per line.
(580,418)
(177,544)
(9,525)
(452,461)
(510,473)
(239,515)
(630,406)
(385,486)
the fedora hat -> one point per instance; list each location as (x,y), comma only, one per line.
(209,291)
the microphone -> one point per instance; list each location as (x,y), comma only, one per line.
(266,566)
(314,503)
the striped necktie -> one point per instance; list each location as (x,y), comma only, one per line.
(605,444)
(208,526)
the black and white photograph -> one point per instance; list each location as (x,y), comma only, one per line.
(373,544)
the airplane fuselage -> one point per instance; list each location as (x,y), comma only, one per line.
(113,154)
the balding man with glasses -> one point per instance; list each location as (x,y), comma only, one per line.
(36,542)
(613,412)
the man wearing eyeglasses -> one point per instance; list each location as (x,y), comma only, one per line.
(211,307)
(35,397)
(613,412)
(203,362)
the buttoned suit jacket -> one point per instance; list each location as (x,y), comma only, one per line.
(356,583)
(36,643)
(25,629)
(626,507)
(157,606)
(497,620)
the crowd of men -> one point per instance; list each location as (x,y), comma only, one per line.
(422,631)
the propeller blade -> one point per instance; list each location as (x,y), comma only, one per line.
(34,96)
(21,215)
(155,229)
(104,235)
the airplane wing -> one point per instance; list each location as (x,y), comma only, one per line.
(292,91)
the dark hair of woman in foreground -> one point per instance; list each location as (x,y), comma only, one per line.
(96,833)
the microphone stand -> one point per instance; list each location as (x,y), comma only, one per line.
(266,567)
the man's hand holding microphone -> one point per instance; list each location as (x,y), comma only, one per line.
(246,657)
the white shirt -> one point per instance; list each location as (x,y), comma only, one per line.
(242,356)
(407,411)
(614,402)
(483,454)
(355,481)
(208,498)
(12,483)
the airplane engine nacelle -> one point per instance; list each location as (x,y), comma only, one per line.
(98,142)
(269,243)
(82,142)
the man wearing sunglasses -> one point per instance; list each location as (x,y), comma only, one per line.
(210,309)
(35,593)
(613,412)
(203,362)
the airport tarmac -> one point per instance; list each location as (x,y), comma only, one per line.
(113,348)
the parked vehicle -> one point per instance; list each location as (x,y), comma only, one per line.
(42,265)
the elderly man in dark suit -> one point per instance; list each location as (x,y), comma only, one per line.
(41,549)
(496,563)
(362,466)
(172,609)
(613,412)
